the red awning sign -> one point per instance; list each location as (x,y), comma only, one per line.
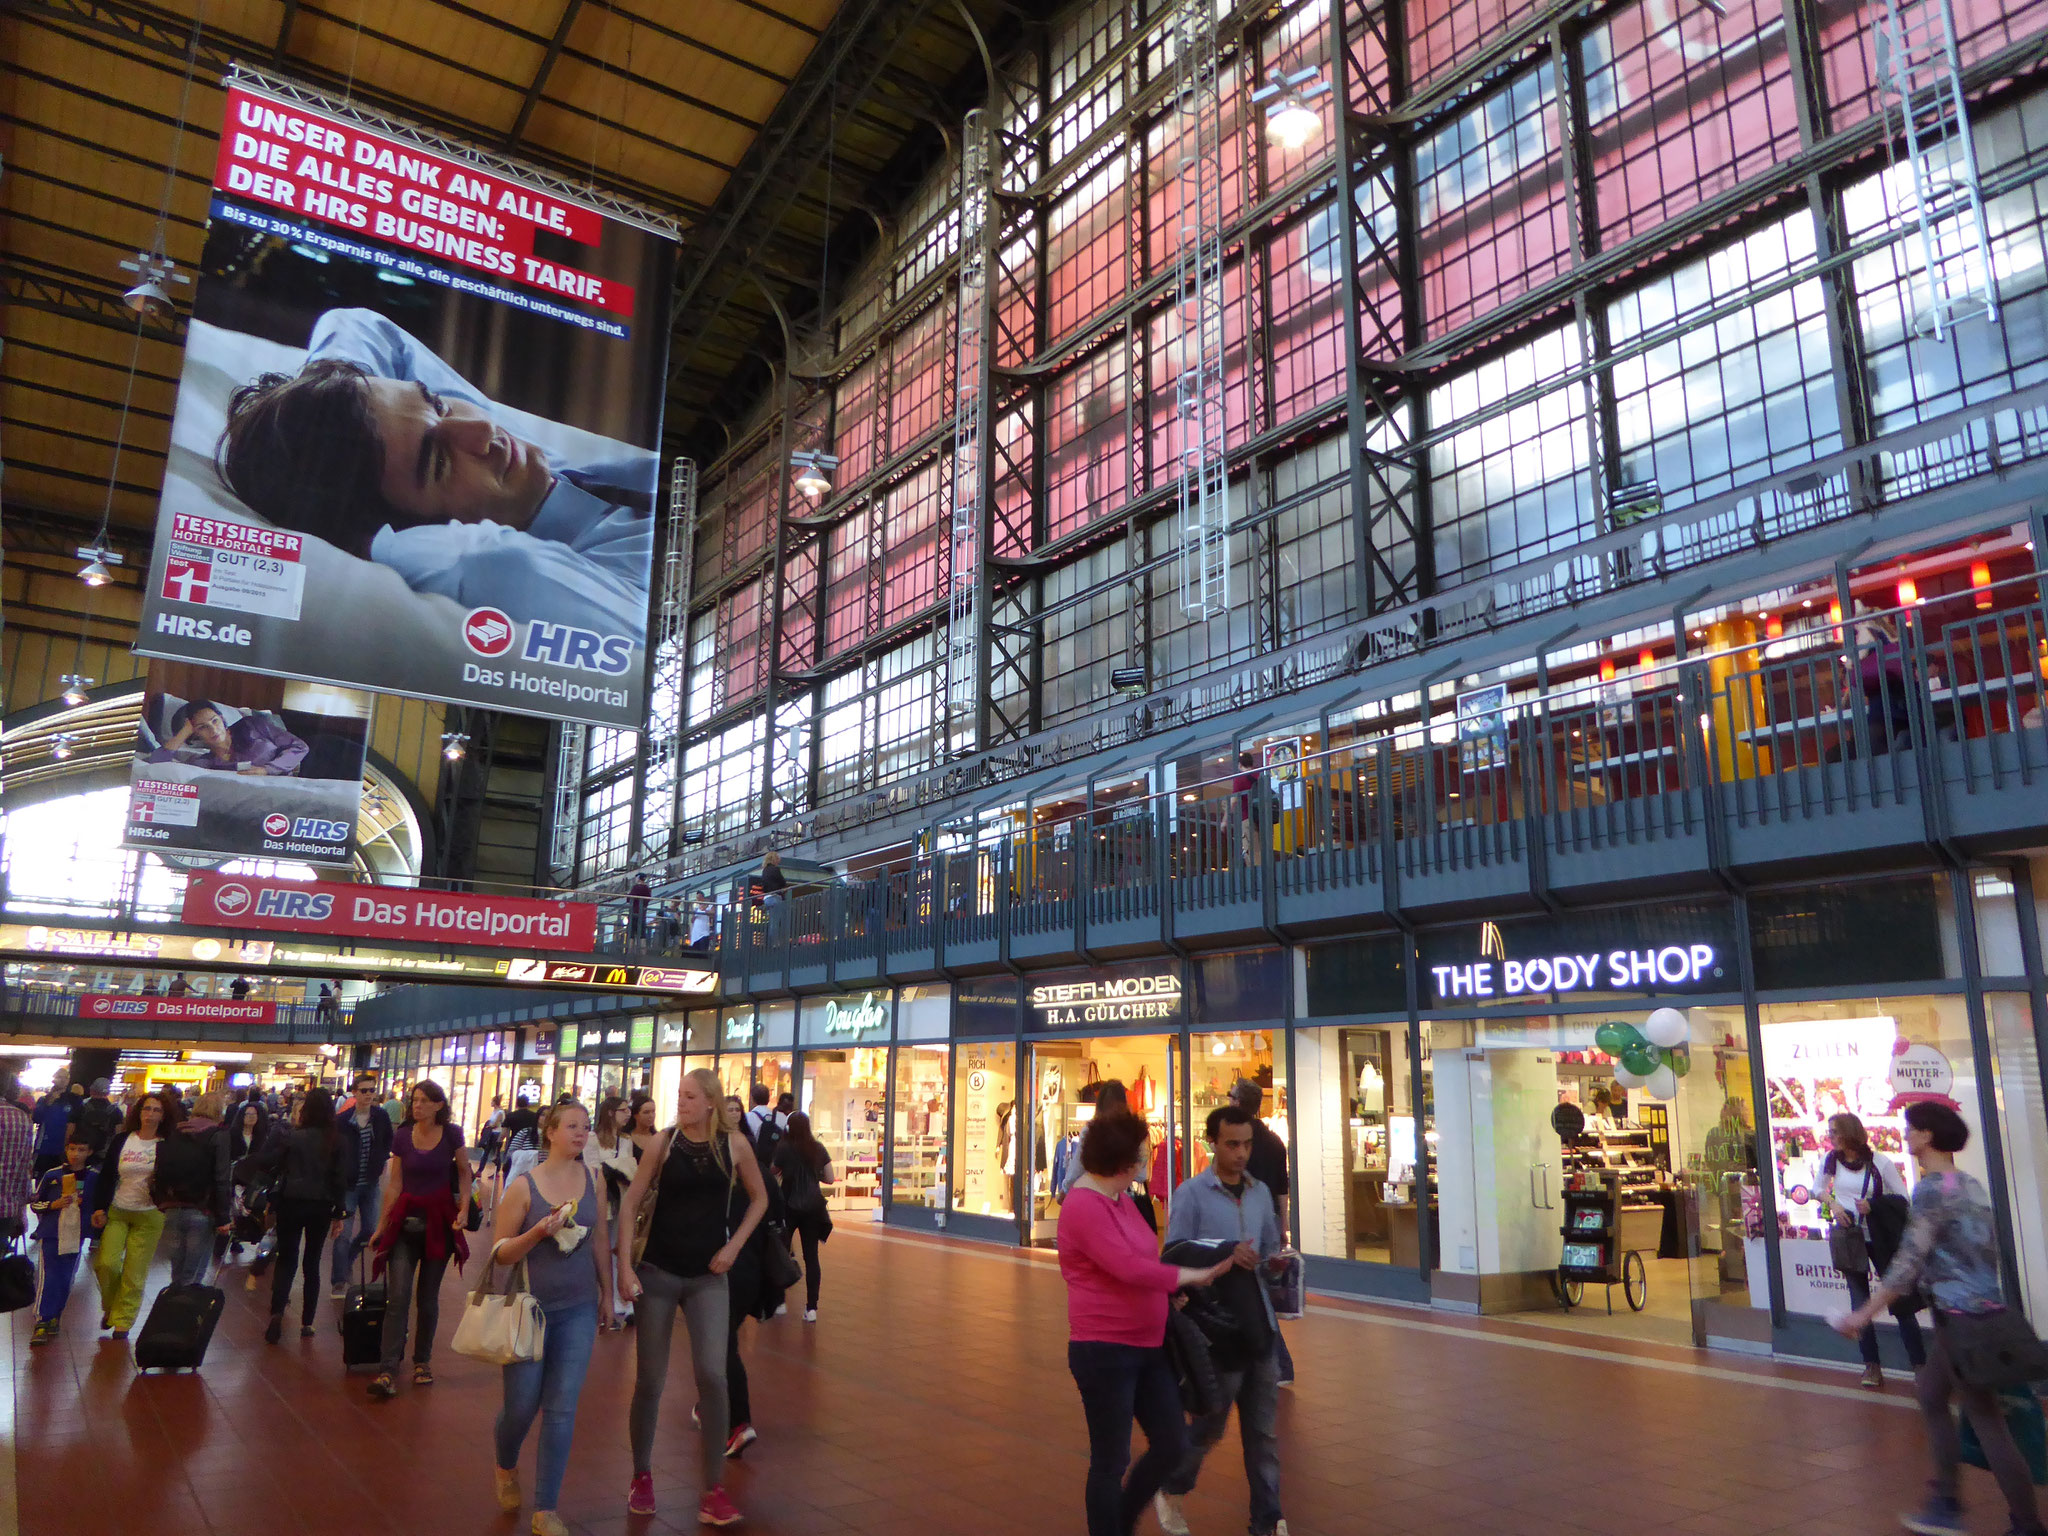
(343,910)
(119,1007)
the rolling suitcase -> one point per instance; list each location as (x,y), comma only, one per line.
(179,1327)
(362,1322)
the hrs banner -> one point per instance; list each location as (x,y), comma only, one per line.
(416,437)
(247,767)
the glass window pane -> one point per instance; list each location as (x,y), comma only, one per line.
(918,1158)
(987,1125)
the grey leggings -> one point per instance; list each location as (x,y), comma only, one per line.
(702,1301)
(1935,1383)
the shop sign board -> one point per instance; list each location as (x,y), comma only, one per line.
(1109,1000)
(1482,728)
(213,899)
(418,424)
(857,1021)
(123,1008)
(640,1038)
(1670,968)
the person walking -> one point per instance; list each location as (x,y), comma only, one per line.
(309,1171)
(640,1130)
(803,1169)
(1269,1166)
(189,1185)
(53,1116)
(17,1157)
(1862,1194)
(364,1132)
(246,1132)
(1224,1205)
(612,1158)
(126,1220)
(1117,1289)
(100,1117)
(693,1174)
(63,1196)
(1950,1251)
(426,1191)
(552,1219)
(636,910)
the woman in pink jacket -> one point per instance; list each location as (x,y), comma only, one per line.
(1117,1292)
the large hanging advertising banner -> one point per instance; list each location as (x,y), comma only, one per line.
(416,438)
(242,766)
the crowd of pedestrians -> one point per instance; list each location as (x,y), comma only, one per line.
(597,1220)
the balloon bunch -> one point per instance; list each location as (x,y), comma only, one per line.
(1652,1058)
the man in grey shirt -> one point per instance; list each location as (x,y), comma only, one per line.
(1225,1204)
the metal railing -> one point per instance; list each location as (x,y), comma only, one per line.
(1886,711)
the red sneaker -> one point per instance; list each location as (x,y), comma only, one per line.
(716,1509)
(741,1438)
(640,1497)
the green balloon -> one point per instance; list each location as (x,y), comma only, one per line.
(1612,1036)
(1679,1060)
(1641,1057)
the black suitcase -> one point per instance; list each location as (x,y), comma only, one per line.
(179,1327)
(362,1323)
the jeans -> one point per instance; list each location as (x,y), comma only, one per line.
(126,1245)
(549,1387)
(188,1243)
(1119,1383)
(299,1222)
(1909,1327)
(704,1301)
(405,1271)
(1256,1391)
(360,1208)
(1934,1385)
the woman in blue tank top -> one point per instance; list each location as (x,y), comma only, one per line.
(552,1216)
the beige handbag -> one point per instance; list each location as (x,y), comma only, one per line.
(501,1328)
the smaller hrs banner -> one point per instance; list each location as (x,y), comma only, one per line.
(175,1010)
(241,766)
(394,913)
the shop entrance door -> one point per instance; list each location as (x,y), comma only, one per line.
(1067,1078)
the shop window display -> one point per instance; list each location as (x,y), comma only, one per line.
(987,1129)
(736,1075)
(1216,1064)
(1355,1160)
(668,1084)
(2025,1124)
(1066,1082)
(918,1134)
(844,1093)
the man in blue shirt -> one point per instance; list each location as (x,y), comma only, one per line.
(1225,1204)
(380,448)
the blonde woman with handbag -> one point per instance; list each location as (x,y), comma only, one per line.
(551,1221)
(691,1175)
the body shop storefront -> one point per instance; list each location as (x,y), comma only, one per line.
(1642,1095)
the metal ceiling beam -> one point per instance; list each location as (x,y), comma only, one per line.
(284,32)
(62,294)
(851,56)
(570,10)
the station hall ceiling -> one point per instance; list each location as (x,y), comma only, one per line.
(724,114)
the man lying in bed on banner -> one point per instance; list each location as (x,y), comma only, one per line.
(379,447)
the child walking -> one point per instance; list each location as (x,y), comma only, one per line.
(62,1196)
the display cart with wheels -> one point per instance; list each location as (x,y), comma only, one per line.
(1603,1242)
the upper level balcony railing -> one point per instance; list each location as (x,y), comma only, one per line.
(30,1007)
(1884,732)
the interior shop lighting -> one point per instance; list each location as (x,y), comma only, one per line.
(1646,658)
(455,745)
(813,473)
(62,745)
(1774,626)
(1290,121)
(77,689)
(99,560)
(1909,591)
(1607,669)
(1980,583)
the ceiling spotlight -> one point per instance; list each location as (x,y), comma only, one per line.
(151,296)
(76,689)
(98,559)
(455,745)
(62,745)
(813,473)
(1290,121)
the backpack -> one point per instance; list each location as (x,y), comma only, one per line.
(766,1137)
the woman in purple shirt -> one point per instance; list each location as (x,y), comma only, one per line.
(426,1188)
(254,744)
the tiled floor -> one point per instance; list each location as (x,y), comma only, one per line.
(933,1398)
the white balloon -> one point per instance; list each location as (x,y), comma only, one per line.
(1666,1027)
(1663,1084)
(1629,1079)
